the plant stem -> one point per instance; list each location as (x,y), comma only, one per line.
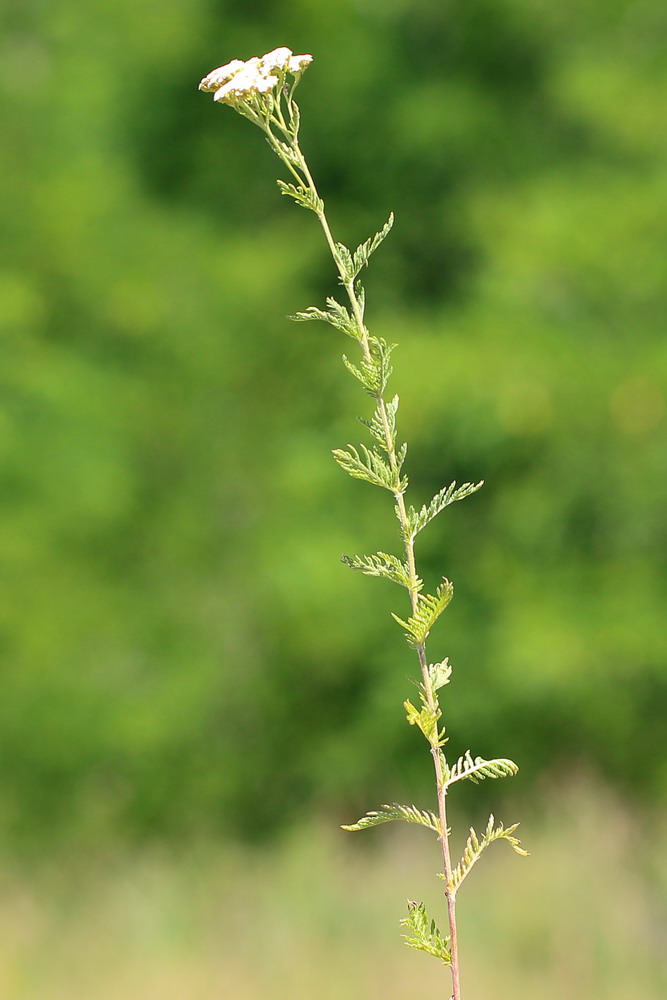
(408,540)
(298,167)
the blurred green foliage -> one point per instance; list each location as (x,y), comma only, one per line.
(182,650)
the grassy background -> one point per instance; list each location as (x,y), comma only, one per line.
(582,917)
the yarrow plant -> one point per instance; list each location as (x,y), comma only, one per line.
(262,90)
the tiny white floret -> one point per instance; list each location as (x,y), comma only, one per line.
(251,79)
(266,83)
(221,75)
(277,58)
(298,63)
(223,93)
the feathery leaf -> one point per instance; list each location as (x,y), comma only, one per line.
(387,813)
(382,564)
(345,262)
(372,468)
(381,353)
(373,372)
(302,196)
(439,674)
(429,609)
(475,847)
(335,314)
(450,494)
(477,768)
(364,250)
(424,934)
(384,434)
(426,719)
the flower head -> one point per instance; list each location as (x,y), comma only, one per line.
(297,64)
(241,81)
(277,58)
(243,85)
(217,77)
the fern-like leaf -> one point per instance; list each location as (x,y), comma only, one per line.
(345,261)
(312,312)
(366,373)
(429,609)
(385,410)
(364,250)
(371,467)
(382,564)
(381,353)
(373,371)
(335,314)
(388,813)
(302,196)
(360,294)
(426,719)
(439,674)
(450,494)
(341,318)
(476,769)
(424,934)
(400,454)
(287,153)
(476,846)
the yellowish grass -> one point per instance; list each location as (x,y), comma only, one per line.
(316,918)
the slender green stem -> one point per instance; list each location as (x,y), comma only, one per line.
(414,585)
(300,171)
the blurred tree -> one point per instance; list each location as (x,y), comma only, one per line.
(171,517)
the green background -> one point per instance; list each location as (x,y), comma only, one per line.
(183,653)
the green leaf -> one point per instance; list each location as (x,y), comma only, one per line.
(302,196)
(382,564)
(312,312)
(295,115)
(477,768)
(342,318)
(400,454)
(364,250)
(444,770)
(388,813)
(385,410)
(426,719)
(288,153)
(429,609)
(360,295)
(381,353)
(374,370)
(367,373)
(450,494)
(371,467)
(424,934)
(345,261)
(475,847)
(335,314)
(439,674)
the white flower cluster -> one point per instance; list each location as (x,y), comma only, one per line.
(239,80)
